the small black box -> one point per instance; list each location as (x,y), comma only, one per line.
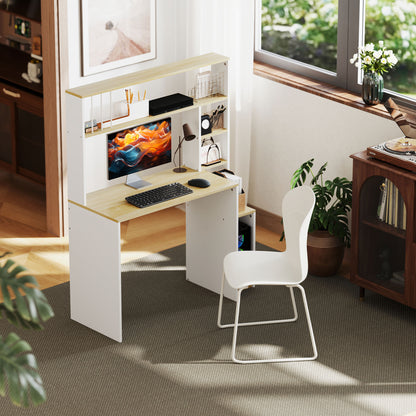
(169,103)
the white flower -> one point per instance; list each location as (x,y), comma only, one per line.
(374,59)
(392,60)
(367,60)
(377,54)
(369,47)
(354,58)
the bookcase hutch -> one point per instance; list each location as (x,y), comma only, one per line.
(380,252)
(86,162)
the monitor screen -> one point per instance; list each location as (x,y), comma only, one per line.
(138,148)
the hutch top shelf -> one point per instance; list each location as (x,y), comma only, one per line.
(147,75)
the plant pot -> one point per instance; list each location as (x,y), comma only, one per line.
(372,88)
(325,253)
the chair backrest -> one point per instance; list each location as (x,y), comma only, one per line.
(297,209)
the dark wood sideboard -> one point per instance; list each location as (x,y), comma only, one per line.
(383,256)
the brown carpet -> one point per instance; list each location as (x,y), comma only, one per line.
(175,361)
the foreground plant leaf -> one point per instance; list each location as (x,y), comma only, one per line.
(19,371)
(30,306)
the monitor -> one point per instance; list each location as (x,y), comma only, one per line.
(139,149)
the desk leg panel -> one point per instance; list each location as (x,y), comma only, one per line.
(211,233)
(95,272)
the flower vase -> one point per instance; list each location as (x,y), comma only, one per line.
(372,88)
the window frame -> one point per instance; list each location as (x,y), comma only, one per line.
(350,35)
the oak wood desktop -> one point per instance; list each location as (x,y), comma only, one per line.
(95,248)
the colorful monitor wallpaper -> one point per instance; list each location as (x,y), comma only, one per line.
(139,148)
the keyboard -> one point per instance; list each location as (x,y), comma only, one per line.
(157,195)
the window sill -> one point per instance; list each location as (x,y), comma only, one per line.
(312,86)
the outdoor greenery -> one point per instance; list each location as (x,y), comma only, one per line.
(306,30)
(28,308)
(333,200)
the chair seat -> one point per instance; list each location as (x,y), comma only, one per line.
(245,268)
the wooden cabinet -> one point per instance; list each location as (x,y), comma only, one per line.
(383,256)
(22,148)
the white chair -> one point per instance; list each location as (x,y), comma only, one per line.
(244,269)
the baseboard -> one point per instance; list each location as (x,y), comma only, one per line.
(268,220)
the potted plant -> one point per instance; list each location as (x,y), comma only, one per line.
(374,62)
(329,232)
(27,308)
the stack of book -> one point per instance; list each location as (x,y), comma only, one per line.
(391,208)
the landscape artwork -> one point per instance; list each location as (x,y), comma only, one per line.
(117,33)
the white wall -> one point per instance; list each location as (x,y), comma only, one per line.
(170,40)
(290,126)
(227,27)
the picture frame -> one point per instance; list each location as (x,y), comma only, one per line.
(114,36)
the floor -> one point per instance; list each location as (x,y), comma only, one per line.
(22,239)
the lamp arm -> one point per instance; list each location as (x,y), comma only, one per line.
(177,149)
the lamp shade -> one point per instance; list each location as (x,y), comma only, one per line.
(187,133)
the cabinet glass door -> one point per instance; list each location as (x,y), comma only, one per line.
(382,234)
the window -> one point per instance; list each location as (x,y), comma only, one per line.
(317,38)
(395,23)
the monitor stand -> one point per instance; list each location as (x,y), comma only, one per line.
(136,182)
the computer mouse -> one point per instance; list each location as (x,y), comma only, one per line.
(199,183)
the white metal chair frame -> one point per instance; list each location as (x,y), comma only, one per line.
(298,204)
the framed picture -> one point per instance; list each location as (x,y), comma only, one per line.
(116,34)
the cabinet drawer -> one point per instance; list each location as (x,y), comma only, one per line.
(22,98)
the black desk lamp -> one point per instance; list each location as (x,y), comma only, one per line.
(187,136)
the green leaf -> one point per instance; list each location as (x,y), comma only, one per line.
(321,171)
(299,176)
(30,305)
(333,201)
(18,369)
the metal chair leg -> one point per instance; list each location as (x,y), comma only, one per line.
(278,321)
(277,360)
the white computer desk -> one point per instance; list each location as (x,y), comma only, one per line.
(95,249)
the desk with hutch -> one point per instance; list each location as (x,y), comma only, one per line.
(97,206)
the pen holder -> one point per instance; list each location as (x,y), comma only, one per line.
(139,109)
